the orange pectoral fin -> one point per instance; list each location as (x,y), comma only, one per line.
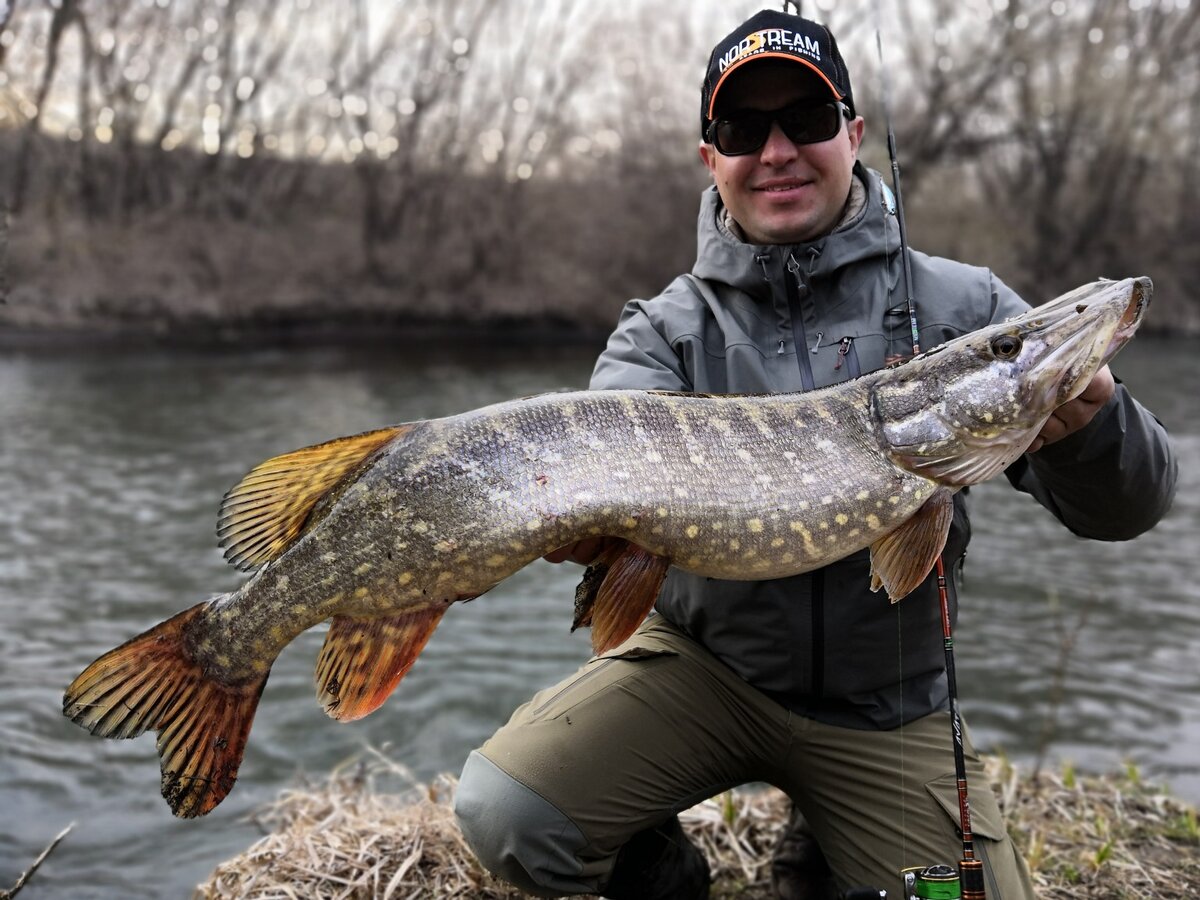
(615,600)
(593,578)
(267,510)
(151,683)
(901,560)
(363,660)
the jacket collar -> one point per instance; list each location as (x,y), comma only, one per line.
(722,256)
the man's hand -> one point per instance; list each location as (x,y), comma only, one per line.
(584,552)
(1074,414)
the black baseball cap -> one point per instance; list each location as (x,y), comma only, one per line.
(771,34)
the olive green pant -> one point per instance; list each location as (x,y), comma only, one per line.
(659,724)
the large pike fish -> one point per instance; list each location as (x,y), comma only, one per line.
(381,532)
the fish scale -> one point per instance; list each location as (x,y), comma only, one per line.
(380,533)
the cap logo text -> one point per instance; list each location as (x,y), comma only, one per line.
(772,39)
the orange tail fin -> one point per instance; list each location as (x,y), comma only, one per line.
(151,683)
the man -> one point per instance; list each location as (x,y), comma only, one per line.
(811,683)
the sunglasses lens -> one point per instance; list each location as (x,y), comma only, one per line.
(802,123)
(810,125)
(742,134)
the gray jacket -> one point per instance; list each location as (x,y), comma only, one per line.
(752,319)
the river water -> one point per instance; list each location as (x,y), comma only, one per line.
(112,464)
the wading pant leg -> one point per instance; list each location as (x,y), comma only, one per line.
(881,801)
(619,747)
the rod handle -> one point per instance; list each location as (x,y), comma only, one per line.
(970,871)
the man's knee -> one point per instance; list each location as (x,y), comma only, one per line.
(517,834)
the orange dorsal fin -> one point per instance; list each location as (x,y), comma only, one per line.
(617,593)
(151,683)
(363,660)
(901,560)
(267,510)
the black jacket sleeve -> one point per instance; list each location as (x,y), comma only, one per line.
(1112,480)
(638,356)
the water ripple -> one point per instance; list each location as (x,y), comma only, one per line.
(112,466)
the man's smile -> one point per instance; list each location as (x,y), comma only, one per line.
(777,185)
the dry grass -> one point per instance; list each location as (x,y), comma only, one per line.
(1096,837)
(1101,837)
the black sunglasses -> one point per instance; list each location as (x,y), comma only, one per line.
(804,122)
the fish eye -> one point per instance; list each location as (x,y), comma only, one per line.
(1006,346)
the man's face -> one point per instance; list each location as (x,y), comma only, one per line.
(782,193)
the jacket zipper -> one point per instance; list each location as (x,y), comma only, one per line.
(794,286)
(848,357)
(843,349)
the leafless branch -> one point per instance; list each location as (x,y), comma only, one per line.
(28,873)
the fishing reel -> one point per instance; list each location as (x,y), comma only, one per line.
(936,882)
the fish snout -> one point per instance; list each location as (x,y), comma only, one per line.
(1141,290)
(1079,332)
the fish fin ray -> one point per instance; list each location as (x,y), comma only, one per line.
(363,659)
(616,605)
(593,577)
(151,683)
(976,464)
(902,559)
(267,510)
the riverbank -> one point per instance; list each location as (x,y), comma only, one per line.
(359,835)
(182,275)
(178,277)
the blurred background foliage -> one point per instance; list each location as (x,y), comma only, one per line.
(229,165)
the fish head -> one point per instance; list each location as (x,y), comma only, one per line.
(962,412)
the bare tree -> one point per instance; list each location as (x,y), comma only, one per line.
(461,145)
(1087,118)
(63,14)
(405,89)
(532,88)
(7,8)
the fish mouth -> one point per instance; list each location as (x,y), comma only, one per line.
(1079,344)
(1135,311)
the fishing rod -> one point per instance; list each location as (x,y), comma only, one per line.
(894,157)
(970,880)
(935,880)
(970,867)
